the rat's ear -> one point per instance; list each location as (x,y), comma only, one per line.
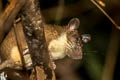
(73,24)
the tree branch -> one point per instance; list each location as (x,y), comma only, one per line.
(32,19)
(8,16)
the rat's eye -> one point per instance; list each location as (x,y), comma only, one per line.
(77,39)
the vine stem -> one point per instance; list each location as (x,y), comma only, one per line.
(103,11)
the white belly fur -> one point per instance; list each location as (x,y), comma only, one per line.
(57,47)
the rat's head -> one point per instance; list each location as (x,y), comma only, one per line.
(75,40)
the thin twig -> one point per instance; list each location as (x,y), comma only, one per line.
(103,11)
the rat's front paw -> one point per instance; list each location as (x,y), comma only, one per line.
(52,65)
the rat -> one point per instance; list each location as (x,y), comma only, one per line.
(61,41)
(65,40)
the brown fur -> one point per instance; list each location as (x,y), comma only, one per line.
(64,40)
(53,32)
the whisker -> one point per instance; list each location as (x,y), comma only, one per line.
(92,53)
(71,45)
(68,46)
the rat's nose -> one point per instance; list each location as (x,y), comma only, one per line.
(86,38)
